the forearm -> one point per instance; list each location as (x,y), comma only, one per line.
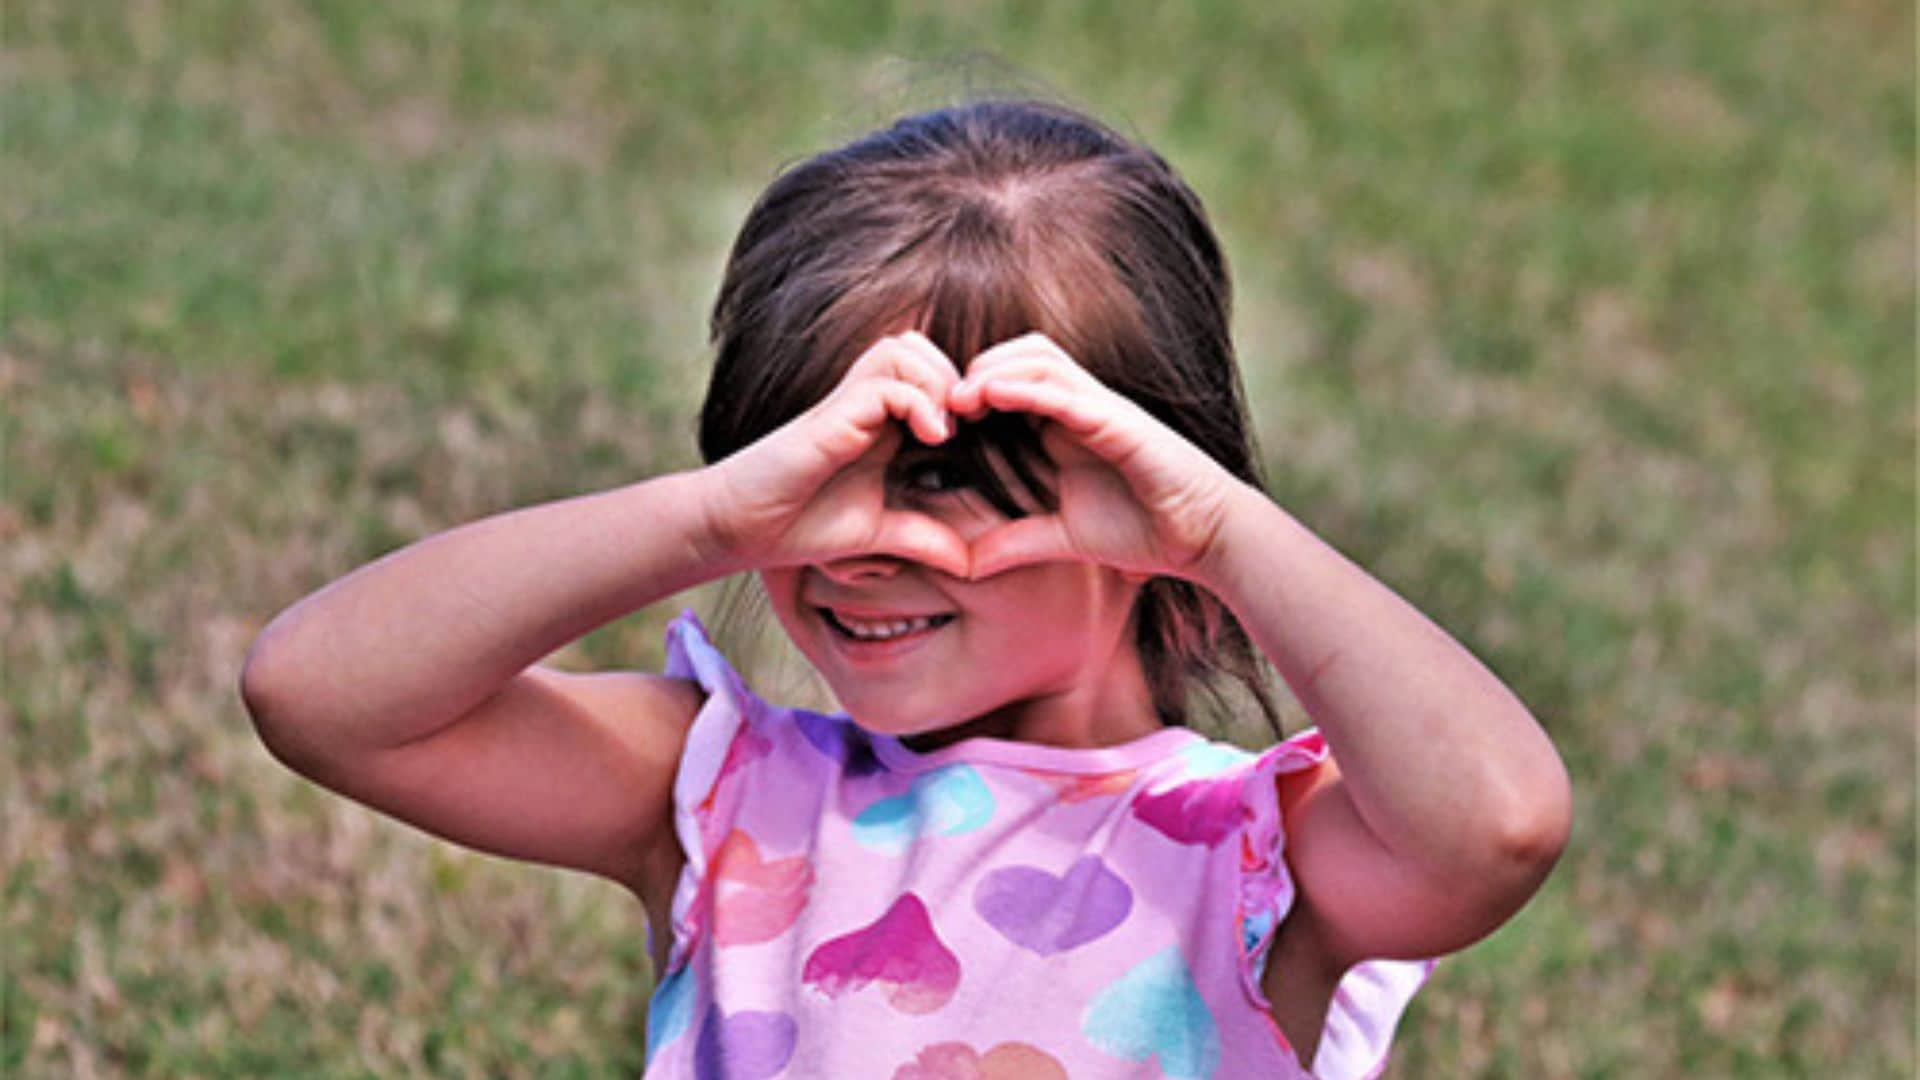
(411,641)
(1444,764)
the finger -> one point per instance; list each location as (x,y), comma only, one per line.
(917,360)
(860,423)
(912,359)
(1033,346)
(964,397)
(923,539)
(936,357)
(1077,412)
(1021,542)
(889,399)
(882,445)
(1062,448)
(992,360)
(1041,366)
(1031,341)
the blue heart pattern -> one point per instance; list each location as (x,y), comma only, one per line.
(949,801)
(670,1010)
(1211,759)
(1155,1010)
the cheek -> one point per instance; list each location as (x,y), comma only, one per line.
(783,591)
(1037,617)
(779,587)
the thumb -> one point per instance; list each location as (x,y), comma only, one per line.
(922,539)
(1020,543)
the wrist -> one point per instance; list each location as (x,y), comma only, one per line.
(703,494)
(683,505)
(1215,569)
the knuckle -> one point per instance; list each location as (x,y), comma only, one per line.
(884,350)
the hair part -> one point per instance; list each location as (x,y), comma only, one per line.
(978,223)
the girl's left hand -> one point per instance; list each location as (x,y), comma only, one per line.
(1133,493)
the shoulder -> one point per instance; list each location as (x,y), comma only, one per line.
(675,699)
(1296,788)
(681,697)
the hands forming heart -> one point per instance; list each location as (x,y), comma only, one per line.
(1133,494)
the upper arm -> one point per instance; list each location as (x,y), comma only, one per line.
(1363,901)
(571,770)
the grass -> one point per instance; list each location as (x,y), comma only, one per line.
(1590,330)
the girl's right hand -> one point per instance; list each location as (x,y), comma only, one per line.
(815,489)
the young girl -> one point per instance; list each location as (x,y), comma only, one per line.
(976,424)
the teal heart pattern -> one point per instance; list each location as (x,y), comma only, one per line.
(947,801)
(1156,1011)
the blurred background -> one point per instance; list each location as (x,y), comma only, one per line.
(1587,328)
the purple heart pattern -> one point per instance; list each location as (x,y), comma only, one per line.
(839,739)
(1047,913)
(743,1045)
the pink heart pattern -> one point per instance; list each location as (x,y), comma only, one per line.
(958,1061)
(754,899)
(1079,787)
(1196,812)
(899,950)
(746,748)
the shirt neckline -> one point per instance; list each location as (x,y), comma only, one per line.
(988,749)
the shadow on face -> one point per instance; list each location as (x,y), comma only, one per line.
(998,456)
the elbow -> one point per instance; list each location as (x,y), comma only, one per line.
(1514,847)
(1511,824)
(263,697)
(1534,843)
(259,692)
(1532,830)
(253,689)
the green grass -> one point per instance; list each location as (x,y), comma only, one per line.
(1587,328)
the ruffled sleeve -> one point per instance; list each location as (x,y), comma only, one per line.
(722,739)
(1372,995)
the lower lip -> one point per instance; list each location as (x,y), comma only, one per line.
(861,650)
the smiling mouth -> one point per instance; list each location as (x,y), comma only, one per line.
(881,630)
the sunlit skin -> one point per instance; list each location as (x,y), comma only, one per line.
(1041,653)
(1440,810)
(1442,804)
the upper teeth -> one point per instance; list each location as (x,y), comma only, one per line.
(882,629)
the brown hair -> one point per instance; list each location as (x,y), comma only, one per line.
(981,222)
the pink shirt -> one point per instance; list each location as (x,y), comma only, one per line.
(850,908)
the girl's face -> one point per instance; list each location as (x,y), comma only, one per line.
(1040,653)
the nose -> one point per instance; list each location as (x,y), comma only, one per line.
(859,568)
